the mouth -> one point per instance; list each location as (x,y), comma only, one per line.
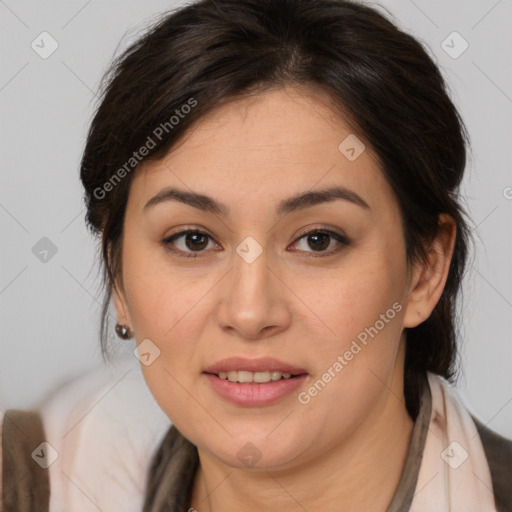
(254,382)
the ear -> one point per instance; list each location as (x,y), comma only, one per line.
(120,303)
(429,278)
(118,291)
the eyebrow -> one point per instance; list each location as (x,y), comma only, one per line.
(291,204)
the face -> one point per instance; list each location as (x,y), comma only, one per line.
(266,286)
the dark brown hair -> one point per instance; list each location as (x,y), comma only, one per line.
(384,81)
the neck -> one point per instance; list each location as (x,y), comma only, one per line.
(359,474)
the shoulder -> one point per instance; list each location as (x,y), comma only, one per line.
(106,427)
(498,451)
(24,484)
(101,430)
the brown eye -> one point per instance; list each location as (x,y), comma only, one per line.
(319,240)
(192,241)
(196,241)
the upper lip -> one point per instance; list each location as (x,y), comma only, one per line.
(262,364)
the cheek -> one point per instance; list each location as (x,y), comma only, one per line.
(162,307)
(362,307)
(355,359)
(353,299)
(161,295)
(166,308)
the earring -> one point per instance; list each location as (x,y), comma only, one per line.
(124,332)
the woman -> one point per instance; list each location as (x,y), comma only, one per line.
(276,187)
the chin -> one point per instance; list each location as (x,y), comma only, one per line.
(256,452)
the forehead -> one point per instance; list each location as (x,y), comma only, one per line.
(268,145)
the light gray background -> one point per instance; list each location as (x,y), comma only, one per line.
(50,311)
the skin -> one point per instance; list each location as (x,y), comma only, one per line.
(346,448)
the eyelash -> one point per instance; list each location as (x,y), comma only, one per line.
(341,239)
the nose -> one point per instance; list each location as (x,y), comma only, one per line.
(254,300)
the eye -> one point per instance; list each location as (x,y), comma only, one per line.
(193,240)
(321,239)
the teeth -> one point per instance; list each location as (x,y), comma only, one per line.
(248,377)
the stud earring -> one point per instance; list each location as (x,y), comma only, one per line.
(124,332)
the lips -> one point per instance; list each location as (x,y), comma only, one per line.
(254,394)
(245,382)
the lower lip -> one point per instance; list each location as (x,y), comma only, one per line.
(254,394)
